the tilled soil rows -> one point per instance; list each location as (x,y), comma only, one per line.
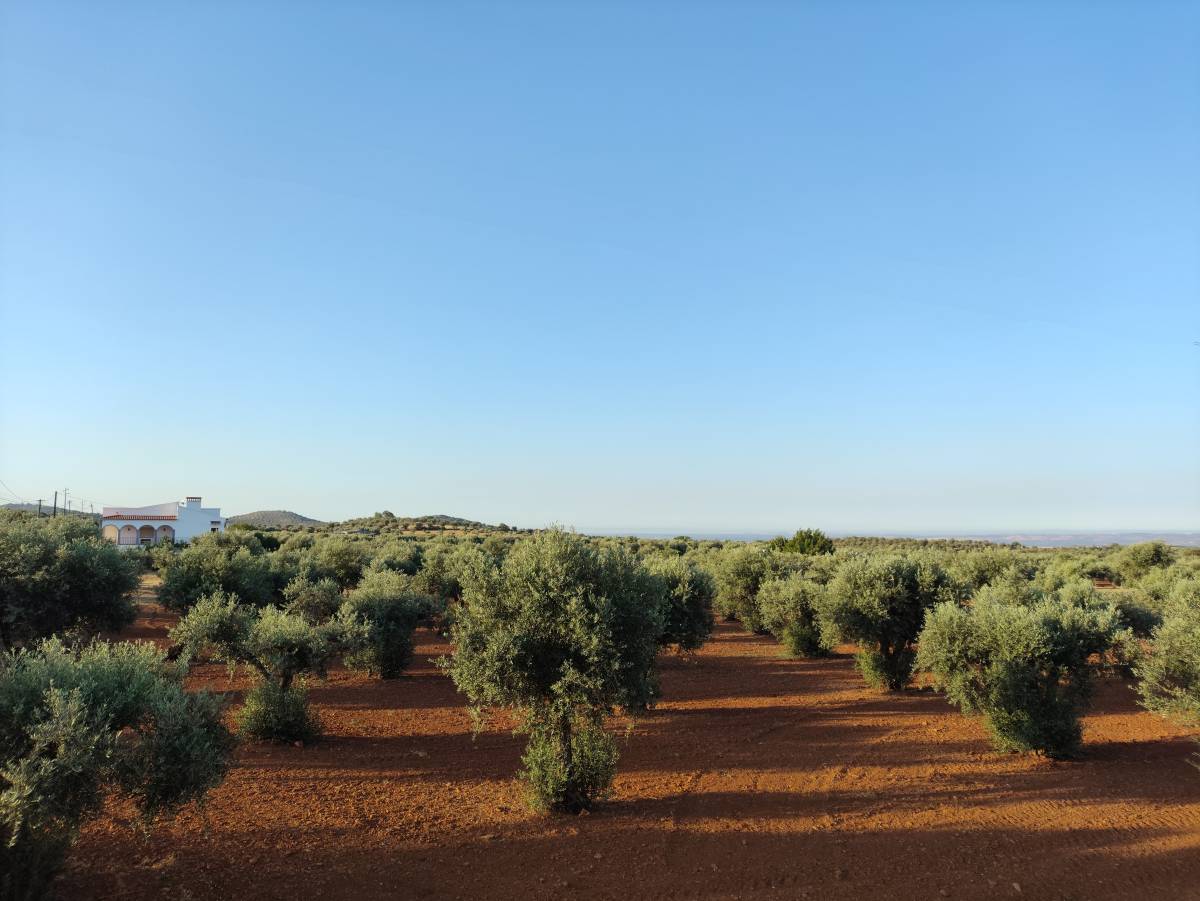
(755,777)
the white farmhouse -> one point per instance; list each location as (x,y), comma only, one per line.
(172,521)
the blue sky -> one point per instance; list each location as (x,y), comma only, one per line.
(680,266)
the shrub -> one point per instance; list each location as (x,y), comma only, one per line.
(274,713)
(401,556)
(689,593)
(335,558)
(880,603)
(564,632)
(805,541)
(78,725)
(1136,609)
(739,574)
(385,601)
(278,646)
(208,565)
(58,574)
(1024,668)
(1137,560)
(788,607)
(315,602)
(443,564)
(1169,675)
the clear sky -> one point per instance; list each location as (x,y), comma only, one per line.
(682,266)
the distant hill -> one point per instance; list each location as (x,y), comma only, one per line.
(273,519)
(436,522)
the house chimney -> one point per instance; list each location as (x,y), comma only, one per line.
(193,501)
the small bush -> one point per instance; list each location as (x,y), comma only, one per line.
(1169,675)
(58,574)
(1136,609)
(274,713)
(689,593)
(569,770)
(805,541)
(739,574)
(79,725)
(278,646)
(1137,560)
(788,608)
(1024,668)
(209,564)
(389,607)
(314,602)
(335,558)
(564,632)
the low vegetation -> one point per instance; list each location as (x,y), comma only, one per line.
(1026,668)
(280,647)
(1169,673)
(561,629)
(77,726)
(880,603)
(563,633)
(58,576)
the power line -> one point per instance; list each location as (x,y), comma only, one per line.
(15,496)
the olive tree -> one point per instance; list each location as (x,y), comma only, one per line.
(1137,560)
(788,607)
(389,607)
(739,574)
(236,565)
(1025,668)
(279,647)
(563,632)
(879,602)
(313,601)
(58,574)
(689,592)
(335,558)
(77,726)
(1169,675)
(805,541)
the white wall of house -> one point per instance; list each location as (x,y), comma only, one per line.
(173,521)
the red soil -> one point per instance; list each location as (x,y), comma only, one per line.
(756,777)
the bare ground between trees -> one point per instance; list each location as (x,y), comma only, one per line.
(756,777)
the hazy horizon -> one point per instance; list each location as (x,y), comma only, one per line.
(871,268)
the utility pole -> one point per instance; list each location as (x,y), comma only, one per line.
(39,508)
(55,513)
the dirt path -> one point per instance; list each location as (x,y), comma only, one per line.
(757,777)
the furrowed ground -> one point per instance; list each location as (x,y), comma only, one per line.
(755,777)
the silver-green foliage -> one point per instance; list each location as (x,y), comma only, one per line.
(564,632)
(314,602)
(1170,673)
(879,602)
(689,590)
(58,574)
(1025,667)
(78,725)
(788,607)
(234,563)
(386,602)
(278,646)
